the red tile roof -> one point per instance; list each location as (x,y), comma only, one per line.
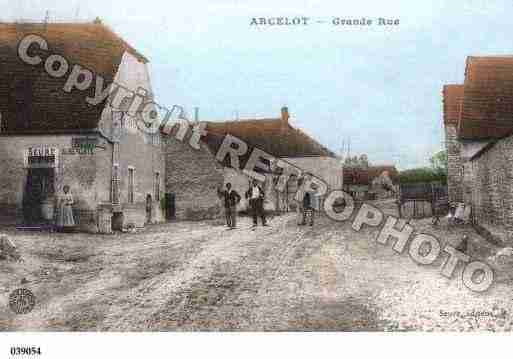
(453,96)
(365,176)
(274,136)
(355,176)
(487,107)
(31,100)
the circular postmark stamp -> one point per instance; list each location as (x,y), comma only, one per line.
(22,301)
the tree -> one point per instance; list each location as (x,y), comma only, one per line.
(418,175)
(436,173)
(359,162)
(364,161)
(439,163)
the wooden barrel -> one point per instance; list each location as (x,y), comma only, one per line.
(47,209)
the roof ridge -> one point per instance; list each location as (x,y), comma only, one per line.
(88,24)
(123,41)
(274,136)
(242,120)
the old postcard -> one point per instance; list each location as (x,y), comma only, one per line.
(300,166)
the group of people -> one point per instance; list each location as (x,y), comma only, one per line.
(255,195)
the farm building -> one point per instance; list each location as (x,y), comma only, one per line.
(478,118)
(370,182)
(194,175)
(120,180)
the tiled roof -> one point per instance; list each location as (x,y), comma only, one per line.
(487,107)
(273,136)
(376,171)
(355,176)
(365,176)
(453,96)
(31,100)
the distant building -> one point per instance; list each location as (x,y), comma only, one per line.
(41,125)
(371,181)
(478,117)
(193,175)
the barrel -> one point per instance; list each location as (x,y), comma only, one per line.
(47,209)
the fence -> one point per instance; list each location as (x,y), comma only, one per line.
(426,199)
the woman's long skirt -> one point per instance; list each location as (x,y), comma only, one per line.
(65,217)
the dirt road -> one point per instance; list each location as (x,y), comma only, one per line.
(199,276)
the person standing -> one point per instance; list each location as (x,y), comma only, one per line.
(65,220)
(230,199)
(255,195)
(308,208)
(308,202)
(299,201)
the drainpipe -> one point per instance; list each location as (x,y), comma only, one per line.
(117,128)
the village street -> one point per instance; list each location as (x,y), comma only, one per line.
(200,276)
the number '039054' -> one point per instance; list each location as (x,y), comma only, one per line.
(25,351)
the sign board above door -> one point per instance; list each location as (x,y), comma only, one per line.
(41,157)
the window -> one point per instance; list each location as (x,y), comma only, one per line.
(157,186)
(131,173)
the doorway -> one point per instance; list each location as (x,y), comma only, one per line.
(170,206)
(148,208)
(39,187)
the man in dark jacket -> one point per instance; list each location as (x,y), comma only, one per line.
(308,203)
(230,199)
(308,208)
(255,196)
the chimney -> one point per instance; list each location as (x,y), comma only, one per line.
(285,115)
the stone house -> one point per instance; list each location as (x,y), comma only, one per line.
(192,179)
(193,176)
(478,117)
(371,181)
(121,180)
(453,95)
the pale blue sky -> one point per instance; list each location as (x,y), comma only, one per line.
(379,86)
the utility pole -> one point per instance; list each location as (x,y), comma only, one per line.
(47,19)
(77,12)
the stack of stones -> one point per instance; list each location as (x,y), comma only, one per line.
(8,249)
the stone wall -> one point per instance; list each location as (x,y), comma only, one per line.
(139,151)
(147,160)
(455,165)
(193,176)
(80,172)
(89,177)
(489,187)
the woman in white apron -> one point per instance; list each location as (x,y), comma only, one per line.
(65,220)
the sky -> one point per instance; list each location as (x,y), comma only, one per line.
(377,87)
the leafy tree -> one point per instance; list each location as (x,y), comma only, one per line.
(418,175)
(439,163)
(436,173)
(360,162)
(364,161)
